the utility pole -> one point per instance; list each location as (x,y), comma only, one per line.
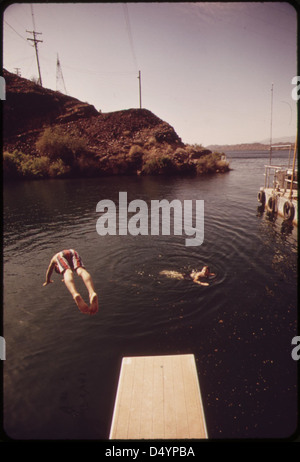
(36,51)
(36,41)
(140,89)
(18,71)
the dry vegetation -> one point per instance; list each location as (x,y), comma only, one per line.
(61,155)
(50,135)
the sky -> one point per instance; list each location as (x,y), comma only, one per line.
(206,68)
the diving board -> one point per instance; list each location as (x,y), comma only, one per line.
(158,397)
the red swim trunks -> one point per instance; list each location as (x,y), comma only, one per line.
(67,259)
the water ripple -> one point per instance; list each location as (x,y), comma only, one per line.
(239,327)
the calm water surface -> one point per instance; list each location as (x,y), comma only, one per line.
(62,367)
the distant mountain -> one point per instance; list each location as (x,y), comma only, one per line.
(261,146)
(282,139)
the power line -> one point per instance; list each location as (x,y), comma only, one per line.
(128,26)
(17,32)
(33,22)
(126,14)
(96,73)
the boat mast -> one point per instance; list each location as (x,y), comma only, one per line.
(293,171)
(271,124)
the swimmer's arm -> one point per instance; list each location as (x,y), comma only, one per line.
(197,281)
(196,277)
(49,272)
(201,283)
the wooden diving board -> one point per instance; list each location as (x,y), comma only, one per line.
(158,397)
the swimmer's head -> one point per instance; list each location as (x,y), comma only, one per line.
(206,270)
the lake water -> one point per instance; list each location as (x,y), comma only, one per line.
(62,367)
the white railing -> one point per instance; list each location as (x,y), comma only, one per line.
(280,177)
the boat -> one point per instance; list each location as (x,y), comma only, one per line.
(279,195)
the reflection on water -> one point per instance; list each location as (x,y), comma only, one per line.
(62,367)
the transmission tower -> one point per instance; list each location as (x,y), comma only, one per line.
(35,41)
(60,83)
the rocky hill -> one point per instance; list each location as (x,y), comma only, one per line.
(44,127)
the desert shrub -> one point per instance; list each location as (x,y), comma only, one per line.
(135,151)
(196,151)
(58,169)
(11,163)
(180,154)
(18,165)
(169,150)
(34,167)
(135,157)
(222,165)
(205,164)
(55,144)
(159,165)
(211,163)
(197,146)
(166,163)
(150,167)
(151,140)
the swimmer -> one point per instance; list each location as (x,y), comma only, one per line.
(68,262)
(204,273)
(195,275)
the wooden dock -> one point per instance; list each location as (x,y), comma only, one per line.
(158,397)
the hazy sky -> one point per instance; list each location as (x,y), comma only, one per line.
(206,68)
